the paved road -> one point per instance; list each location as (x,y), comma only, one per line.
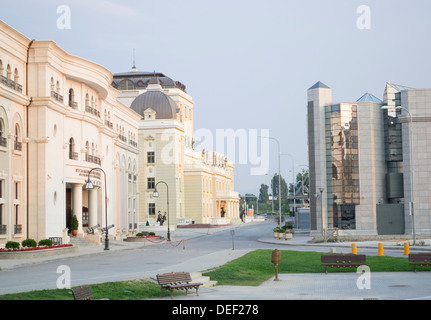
(205,249)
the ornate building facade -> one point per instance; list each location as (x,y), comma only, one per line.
(200,183)
(59,119)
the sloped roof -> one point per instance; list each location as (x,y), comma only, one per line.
(369,97)
(399,87)
(319,85)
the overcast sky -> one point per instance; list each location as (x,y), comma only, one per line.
(247,64)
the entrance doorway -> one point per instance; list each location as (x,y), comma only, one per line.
(68,208)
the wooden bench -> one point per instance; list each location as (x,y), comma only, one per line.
(177,281)
(83,293)
(420,259)
(343,261)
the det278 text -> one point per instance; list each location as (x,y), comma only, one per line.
(226,309)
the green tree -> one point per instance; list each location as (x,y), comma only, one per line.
(274,183)
(263,193)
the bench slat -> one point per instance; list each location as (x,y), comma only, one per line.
(177,281)
(342,261)
(420,259)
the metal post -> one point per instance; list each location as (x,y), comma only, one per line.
(167,202)
(90,186)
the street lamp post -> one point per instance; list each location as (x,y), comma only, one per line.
(412,169)
(321,214)
(293,180)
(279,177)
(89,186)
(156,195)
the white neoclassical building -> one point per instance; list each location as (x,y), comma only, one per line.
(60,118)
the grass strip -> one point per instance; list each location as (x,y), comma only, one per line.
(255,267)
(122,290)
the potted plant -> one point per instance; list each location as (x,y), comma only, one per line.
(278,233)
(74,225)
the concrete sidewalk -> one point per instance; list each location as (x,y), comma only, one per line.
(331,286)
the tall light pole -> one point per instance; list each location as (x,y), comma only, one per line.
(293,180)
(272,194)
(156,195)
(321,214)
(279,177)
(412,169)
(89,186)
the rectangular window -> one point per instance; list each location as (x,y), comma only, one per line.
(151,183)
(16,190)
(151,157)
(1,204)
(151,208)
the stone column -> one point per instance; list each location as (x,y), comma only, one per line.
(77,204)
(92,207)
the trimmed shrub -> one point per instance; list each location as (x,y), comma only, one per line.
(29,243)
(45,242)
(12,245)
(74,225)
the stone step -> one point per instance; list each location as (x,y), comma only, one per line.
(79,241)
(198,277)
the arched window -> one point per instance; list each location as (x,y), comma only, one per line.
(87,149)
(126,85)
(17,141)
(72,154)
(58,87)
(52,85)
(1,127)
(9,72)
(16,76)
(72,103)
(3,139)
(87,100)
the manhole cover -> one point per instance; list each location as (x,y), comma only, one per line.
(398,286)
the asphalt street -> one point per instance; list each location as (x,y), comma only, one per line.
(195,250)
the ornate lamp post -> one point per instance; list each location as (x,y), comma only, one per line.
(156,195)
(279,177)
(89,186)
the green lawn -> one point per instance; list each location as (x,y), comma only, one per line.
(122,290)
(250,270)
(255,267)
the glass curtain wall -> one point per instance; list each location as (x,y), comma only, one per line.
(343,192)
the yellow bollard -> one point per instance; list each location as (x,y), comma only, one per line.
(381,249)
(406,248)
(354,248)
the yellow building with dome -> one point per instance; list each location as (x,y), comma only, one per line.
(200,183)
